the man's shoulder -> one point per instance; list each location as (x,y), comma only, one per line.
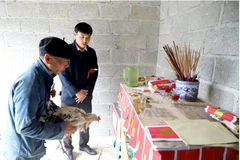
(71,45)
(90,49)
(28,78)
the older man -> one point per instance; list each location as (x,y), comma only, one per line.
(24,134)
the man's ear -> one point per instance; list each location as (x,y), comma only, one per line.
(47,58)
(74,35)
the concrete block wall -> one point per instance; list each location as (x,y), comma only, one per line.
(124,33)
(213,27)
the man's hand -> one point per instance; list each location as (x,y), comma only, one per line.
(81,95)
(69,127)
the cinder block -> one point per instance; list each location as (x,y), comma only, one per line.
(43,35)
(230,12)
(115,82)
(125,27)
(100,27)
(217,95)
(147,70)
(111,70)
(68,37)
(17,58)
(159,70)
(167,73)
(226,41)
(166,26)
(62,25)
(104,56)
(196,40)
(145,12)
(186,5)
(162,61)
(148,57)
(205,68)
(120,56)
(103,84)
(164,9)
(227,72)
(114,10)
(181,23)
(95,99)
(107,96)
(104,41)
(94,125)
(54,10)
(20,40)
(9,25)
(3,12)
(236,106)
(83,10)
(7,55)
(35,25)
(174,9)
(102,110)
(99,132)
(149,28)
(205,16)
(148,3)
(2,42)
(23,9)
(105,122)
(30,56)
(168,40)
(132,42)
(111,133)
(152,43)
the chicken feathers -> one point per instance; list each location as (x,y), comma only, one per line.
(83,119)
(68,113)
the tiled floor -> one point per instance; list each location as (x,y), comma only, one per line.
(103,145)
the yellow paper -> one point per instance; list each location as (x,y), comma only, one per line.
(202,132)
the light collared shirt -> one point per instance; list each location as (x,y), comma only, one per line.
(81,50)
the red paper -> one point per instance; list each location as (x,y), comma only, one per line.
(164,155)
(147,149)
(188,154)
(128,118)
(225,115)
(162,133)
(134,134)
(140,143)
(164,81)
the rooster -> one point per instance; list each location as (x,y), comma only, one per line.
(67,113)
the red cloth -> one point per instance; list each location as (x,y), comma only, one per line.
(188,154)
(89,72)
(140,143)
(215,153)
(129,115)
(134,133)
(147,149)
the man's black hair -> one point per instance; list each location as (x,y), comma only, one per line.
(84,28)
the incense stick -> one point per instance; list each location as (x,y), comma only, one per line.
(183,61)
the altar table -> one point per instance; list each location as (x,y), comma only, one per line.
(135,118)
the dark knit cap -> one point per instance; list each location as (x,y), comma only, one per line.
(55,47)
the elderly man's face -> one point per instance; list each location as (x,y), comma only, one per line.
(57,64)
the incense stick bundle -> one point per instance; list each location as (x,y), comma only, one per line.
(183,61)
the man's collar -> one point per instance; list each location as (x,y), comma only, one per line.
(81,50)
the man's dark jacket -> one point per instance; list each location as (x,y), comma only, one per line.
(75,77)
